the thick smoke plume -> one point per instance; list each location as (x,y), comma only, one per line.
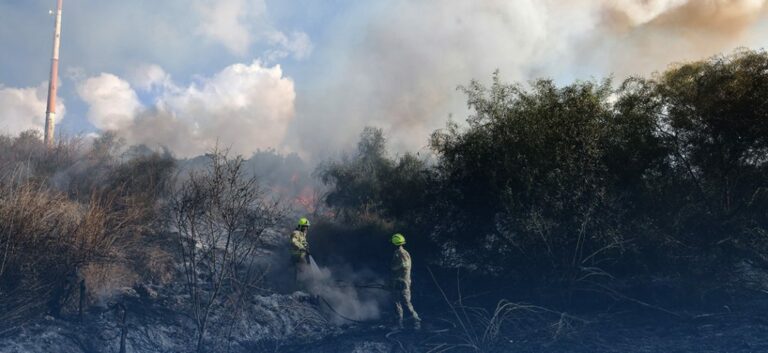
(342,295)
(643,41)
(244,107)
(397,67)
(24,108)
(352,292)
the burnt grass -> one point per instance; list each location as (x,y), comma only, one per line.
(708,312)
(659,317)
(638,315)
(739,326)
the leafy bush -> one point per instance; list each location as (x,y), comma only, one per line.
(658,175)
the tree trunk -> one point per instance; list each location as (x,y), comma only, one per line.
(81,306)
(200,339)
(123,327)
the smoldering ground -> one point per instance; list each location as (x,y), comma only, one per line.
(346,293)
(349,298)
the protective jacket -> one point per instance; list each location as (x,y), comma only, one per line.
(401,287)
(401,268)
(299,245)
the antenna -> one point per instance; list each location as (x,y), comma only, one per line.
(50,112)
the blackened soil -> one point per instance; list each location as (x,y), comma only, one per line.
(736,328)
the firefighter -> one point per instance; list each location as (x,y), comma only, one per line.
(401,282)
(300,247)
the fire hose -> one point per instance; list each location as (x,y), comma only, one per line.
(333,310)
(340,284)
(379,286)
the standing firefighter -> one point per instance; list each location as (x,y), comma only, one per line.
(300,247)
(401,282)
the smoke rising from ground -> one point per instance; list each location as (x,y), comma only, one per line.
(338,282)
(342,296)
(246,107)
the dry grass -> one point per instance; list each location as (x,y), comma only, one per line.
(156,265)
(47,241)
(483,330)
(54,233)
(76,213)
(104,280)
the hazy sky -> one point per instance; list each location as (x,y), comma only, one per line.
(308,75)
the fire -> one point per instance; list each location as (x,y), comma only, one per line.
(307,199)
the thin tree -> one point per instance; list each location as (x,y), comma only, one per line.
(219,215)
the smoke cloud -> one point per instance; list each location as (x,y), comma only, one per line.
(640,41)
(397,65)
(246,107)
(113,103)
(342,295)
(223,21)
(24,108)
(237,24)
(148,77)
(297,44)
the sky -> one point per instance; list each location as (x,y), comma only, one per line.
(306,76)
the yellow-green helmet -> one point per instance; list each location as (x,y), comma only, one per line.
(303,222)
(398,239)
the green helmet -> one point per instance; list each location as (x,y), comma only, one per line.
(398,239)
(303,222)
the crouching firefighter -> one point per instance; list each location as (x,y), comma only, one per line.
(401,282)
(300,247)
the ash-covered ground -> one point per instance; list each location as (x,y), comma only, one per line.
(282,318)
(291,323)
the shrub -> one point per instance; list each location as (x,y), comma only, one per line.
(665,175)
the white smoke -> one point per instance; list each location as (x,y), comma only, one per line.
(342,296)
(24,108)
(245,107)
(640,12)
(224,21)
(397,65)
(237,24)
(149,76)
(113,104)
(297,44)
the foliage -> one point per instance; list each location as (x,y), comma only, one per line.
(373,195)
(657,175)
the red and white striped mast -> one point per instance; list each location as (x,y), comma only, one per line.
(50,112)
